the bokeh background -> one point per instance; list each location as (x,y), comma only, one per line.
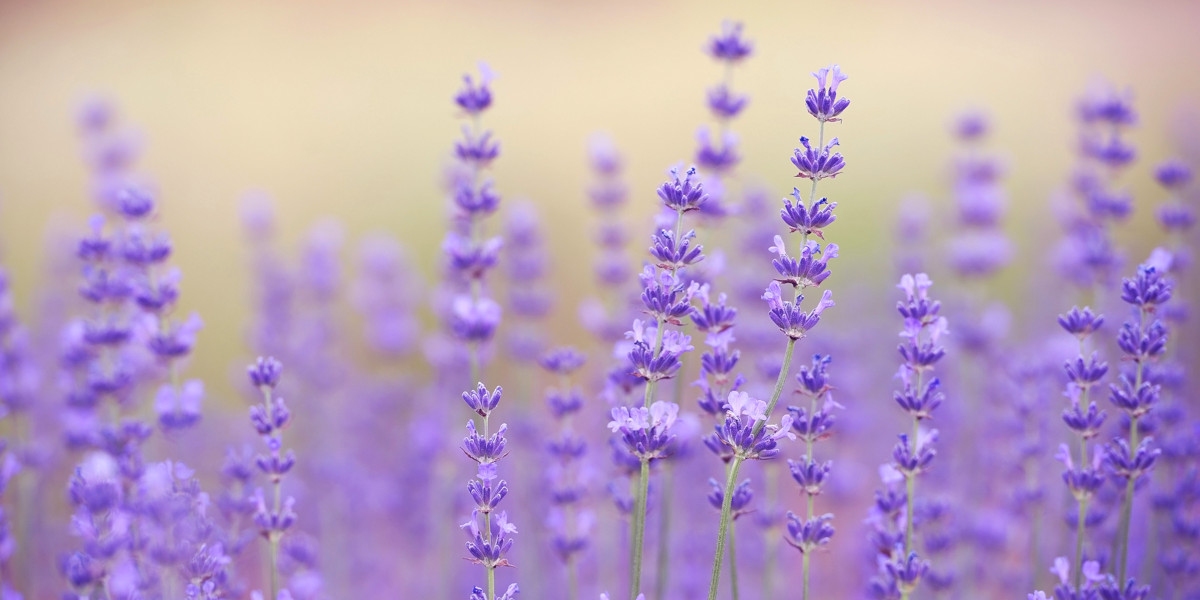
(343,110)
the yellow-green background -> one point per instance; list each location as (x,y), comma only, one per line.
(343,109)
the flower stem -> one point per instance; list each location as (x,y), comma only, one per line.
(639,530)
(733,578)
(664,534)
(726,510)
(1081,520)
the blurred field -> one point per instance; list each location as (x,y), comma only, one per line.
(343,109)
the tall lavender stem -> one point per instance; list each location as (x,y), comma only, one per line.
(815,164)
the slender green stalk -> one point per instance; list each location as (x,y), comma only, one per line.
(733,577)
(277,498)
(770,542)
(735,465)
(572,580)
(664,534)
(1081,524)
(639,530)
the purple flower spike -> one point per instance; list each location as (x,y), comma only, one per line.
(683,195)
(739,504)
(475,97)
(724,103)
(1081,323)
(729,45)
(823,103)
(1173,174)
(818,163)
(791,320)
(808,535)
(481,401)
(810,220)
(265,372)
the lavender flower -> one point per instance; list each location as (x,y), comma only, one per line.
(269,417)
(488,531)
(569,519)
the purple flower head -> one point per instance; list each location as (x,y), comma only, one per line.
(813,379)
(1110,590)
(177,341)
(673,254)
(1148,289)
(562,361)
(94,247)
(481,401)
(746,431)
(664,296)
(818,163)
(739,503)
(810,475)
(265,372)
(159,296)
(1086,373)
(485,450)
(682,195)
(1136,400)
(1176,217)
(724,103)
(475,97)
(1109,204)
(916,305)
(134,203)
(823,103)
(489,550)
(474,320)
(179,409)
(791,320)
(810,220)
(719,156)
(809,269)
(912,462)
(1173,174)
(971,125)
(979,253)
(808,535)
(270,521)
(1084,481)
(144,250)
(480,151)
(1104,104)
(907,571)
(920,403)
(1112,151)
(1081,323)
(713,318)
(816,426)
(1085,422)
(1125,463)
(1145,344)
(486,495)
(646,432)
(472,200)
(729,45)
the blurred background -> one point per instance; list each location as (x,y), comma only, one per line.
(343,110)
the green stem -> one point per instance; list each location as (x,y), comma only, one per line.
(1127,502)
(1081,521)
(770,542)
(726,510)
(639,530)
(572,580)
(664,534)
(733,577)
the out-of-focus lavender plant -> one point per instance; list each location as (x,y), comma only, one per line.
(474,316)
(529,300)
(269,417)
(606,316)
(570,520)
(980,247)
(901,567)
(1085,420)
(716,148)
(743,429)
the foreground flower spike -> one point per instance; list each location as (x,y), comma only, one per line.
(645,430)
(1142,340)
(812,424)
(1085,420)
(919,396)
(269,417)
(570,519)
(808,269)
(488,531)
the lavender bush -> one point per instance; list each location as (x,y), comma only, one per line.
(120,479)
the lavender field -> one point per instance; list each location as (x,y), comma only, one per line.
(915,330)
